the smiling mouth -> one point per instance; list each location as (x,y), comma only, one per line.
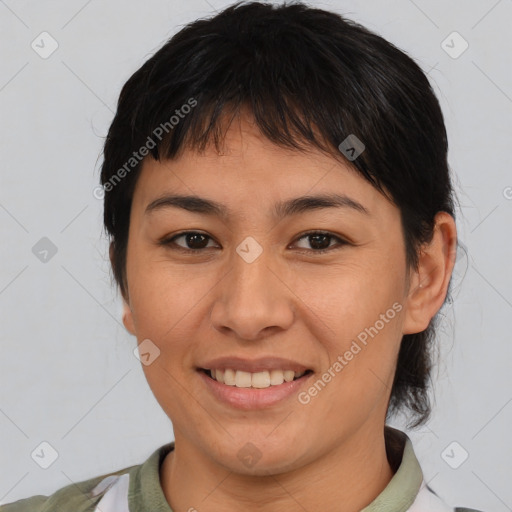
(257,380)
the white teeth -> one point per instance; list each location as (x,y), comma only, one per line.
(260,380)
(229,377)
(219,375)
(276,377)
(242,379)
(289,375)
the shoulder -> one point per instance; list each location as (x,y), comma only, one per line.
(76,497)
(408,483)
(427,499)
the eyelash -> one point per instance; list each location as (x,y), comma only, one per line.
(170,242)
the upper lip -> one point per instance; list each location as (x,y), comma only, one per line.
(253,365)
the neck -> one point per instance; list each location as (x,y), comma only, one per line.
(346,479)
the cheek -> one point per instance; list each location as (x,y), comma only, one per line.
(347,299)
(363,377)
(363,310)
(162,296)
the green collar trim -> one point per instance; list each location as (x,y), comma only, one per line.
(401,491)
(145,491)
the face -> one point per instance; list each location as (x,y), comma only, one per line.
(262,292)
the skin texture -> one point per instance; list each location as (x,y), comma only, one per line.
(290,302)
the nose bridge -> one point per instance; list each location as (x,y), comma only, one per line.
(251,277)
(252,297)
(250,268)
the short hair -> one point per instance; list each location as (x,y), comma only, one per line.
(310,78)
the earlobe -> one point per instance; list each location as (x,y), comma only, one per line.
(127,312)
(128,318)
(429,283)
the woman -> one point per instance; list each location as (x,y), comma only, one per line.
(282,232)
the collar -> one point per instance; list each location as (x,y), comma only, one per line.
(403,488)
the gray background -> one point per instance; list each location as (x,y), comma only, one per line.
(68,375)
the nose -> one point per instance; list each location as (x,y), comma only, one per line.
(253,299)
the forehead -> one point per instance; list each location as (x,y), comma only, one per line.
(252,173)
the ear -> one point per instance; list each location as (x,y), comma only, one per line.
(428,284)
(128,318)
(127,312)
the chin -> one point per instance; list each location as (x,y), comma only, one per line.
(258,455)
(267,464)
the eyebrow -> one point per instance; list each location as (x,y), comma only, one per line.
(196,204)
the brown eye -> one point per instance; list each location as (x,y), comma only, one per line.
(320,241)
(193,240)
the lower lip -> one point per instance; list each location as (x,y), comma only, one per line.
(253,398)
